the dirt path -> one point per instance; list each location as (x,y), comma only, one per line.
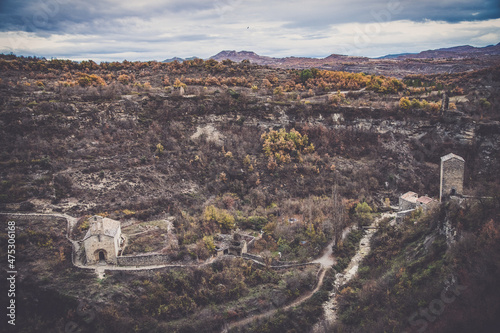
(269,313)
(330,306)
(326,260)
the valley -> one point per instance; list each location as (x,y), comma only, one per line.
(187,154)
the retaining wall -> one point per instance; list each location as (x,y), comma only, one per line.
(144,260)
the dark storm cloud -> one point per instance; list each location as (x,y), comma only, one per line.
(86,17)
(319,14)
(159,29)
(61,16)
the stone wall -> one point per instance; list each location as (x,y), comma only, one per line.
(144,260)
(250,243)
(406,204)
(276,264)
(253,257)
(97,243)
(401,215)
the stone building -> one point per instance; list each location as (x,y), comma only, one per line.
(408,201)
(235,244)
(411,200)
(452,176)
(103,241)
(425,202)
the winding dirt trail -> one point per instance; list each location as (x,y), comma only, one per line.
(330,306)
(269,313)
(326,260)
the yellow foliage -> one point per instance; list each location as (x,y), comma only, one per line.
(124,79)
(282,146)
(128,212)
(220,216)
(209,243)
(179,84)
(159,149)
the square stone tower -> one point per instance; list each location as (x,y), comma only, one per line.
(452,176)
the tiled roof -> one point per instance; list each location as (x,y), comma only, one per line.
(410,196)
(109,227)
(425,200)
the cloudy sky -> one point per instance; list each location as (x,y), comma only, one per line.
(106,30)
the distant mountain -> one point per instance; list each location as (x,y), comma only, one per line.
(173,59)
(287,62)
(464,51)
(464,57)
(179,59)
(395,56)
(457,52)
(243,55)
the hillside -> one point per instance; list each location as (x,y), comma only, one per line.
(420,277)
(292,157)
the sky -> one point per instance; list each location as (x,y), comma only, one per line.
(114,30)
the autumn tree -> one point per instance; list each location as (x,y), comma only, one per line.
(282,146)
(221,217)
(362,212)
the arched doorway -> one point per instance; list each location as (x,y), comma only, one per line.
(101,256)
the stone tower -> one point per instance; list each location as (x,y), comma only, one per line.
(452,176)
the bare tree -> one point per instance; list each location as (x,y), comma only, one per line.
(338,216)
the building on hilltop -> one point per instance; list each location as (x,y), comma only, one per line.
(103,240)
(452,176)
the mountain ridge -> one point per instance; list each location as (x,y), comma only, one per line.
(453,52)
(444,60)
(459,51)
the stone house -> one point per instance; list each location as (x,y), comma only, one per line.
(102,241)
(408,201)
(452,176)
(425,202)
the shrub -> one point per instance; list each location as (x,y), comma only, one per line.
(86,80)
(159,149)
(363,213)
(209,243)
(124,79)
(220,216)
(281,146)
(404,103)
(179,84)
(278,91)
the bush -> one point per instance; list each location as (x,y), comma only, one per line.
(404,103)
(221,217)
(363,214)
(281,146)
